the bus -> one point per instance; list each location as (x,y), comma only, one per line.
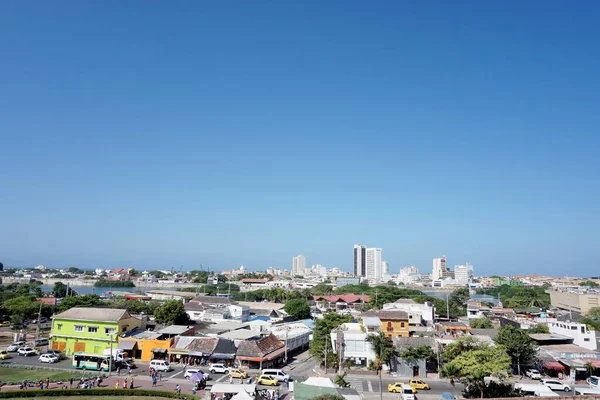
(93,362)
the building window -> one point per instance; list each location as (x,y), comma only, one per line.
(390,327)
(124,329)
(573,328)
(78,328)
(402,325)
(58,327)
(583,329)
(92,329)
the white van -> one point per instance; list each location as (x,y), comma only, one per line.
(277,374)
(160,365)
(41,342)
(407,393)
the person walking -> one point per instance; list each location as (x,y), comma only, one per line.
(154,381)
(131,383)
(178,389)
(47,383)
(129,370)
(125,383)
(118,371)
(117,384)
(71,383)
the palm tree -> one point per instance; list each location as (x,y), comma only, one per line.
(341,381)
(384,351)
(589,368)
(451,372)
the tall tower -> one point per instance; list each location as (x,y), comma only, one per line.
(374,264)
(440,271)
(299,265)
(360,259)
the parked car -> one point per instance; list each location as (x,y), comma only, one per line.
(267,380)
(41,321)
(533,374)
(15,346)
(160,365)
(277,374)
(48,358)
(41,342)
(124,364)
(555,384)
(189,372)
(396,387)
(57,353)
(418,384)
(4,355)
(4,324)
(26,351)
(219,368)
(238,373)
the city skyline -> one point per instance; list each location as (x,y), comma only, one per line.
(218,135)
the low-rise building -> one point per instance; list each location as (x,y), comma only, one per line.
(580,333)
(351,340)
(264,353)
(394,323)
(426,310)
(89,329)
(341,302)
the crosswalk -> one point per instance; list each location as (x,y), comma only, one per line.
(360,384)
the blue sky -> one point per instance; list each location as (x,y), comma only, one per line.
(153,134)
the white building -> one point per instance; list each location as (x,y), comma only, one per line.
(409,274)
(580,333)
(240,313)
(374,264)
(440,271)
(355,348)
(426,310)
(299,265)
(463,274)
(360,259)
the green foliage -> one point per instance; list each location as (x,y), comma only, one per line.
(116,284)
(383,347)
(459,346)
(104,392)
(22,306)
(76,271)
(539,328)
(589,283)
(476,364)
(29,288)
(329,396)
(341,381)
(481,323)
(391,283)
(322,289)
(60,290)
(89,300)
(519,346)
(419,353)
(159,274)
(594,312)
(321,342)
(136,306)
(297,308)
(519,296)
(171,312)
(591,323)
(133,272)
(492,390)
(276,295)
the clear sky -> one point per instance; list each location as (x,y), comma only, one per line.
(155,134)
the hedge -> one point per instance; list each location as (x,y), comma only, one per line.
(94,392)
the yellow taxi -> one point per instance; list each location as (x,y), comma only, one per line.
(267,380)
(418,384)
(4,324)
(4,355)
(396,387)
(237,373)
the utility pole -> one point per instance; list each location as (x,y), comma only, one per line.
(375,297)
(286,344)
(448,306)
(37,328)
(326,353)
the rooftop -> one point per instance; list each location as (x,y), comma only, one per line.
(213,300)
(141,334)
(93,314)
(264,305)
(242,334)
(344,298)
(190,295)
(548,336)
(405,301)
(386,314)
(175,329)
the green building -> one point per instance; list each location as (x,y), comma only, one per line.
(90,330)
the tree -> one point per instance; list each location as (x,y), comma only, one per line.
(539,328)
(22,306)
(132,272)
(75,270)
(1,267)
(297,308)
(481,323)
(172,312)
(321,343)
(391,283)
(594,312)
(329,396)
(492,390)
(451,372)
(589,367)
(59,290)
(421,353)
(519,346)
(461,345)
(477,364)
(341,381)
(589,283)
(384,350)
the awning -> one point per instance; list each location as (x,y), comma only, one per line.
(159,350)
(197,354)
(275,354)
(126,345)
(577,364)
(245,358)
(553,365)
(223,356)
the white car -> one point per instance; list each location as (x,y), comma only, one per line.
(555,384)
(219,368)
(533,374)
(189,372)
(48,358)
(26,351)
(15,346)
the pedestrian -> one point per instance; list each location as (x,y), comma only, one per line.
(90,384)
(154,381)
(125,383)
(117,384)
(47,383)
(131,383)
(71,383)
(230,379)
(178,389)
(129,370)
(119,371)
(41,385)
(160,375)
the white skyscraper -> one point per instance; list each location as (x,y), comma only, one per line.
(385,266)
(463,274)
(360,268)
(440,271)
(299,265)
(409,274)
(373,264)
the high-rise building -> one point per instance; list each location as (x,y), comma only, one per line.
(463,274)
(360,259)
(299,265)
(385,266)
(408,274)
(373,264)
(440,271)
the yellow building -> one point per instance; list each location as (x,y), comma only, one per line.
(149,345)
(394,323)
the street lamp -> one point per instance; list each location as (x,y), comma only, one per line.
(110,338)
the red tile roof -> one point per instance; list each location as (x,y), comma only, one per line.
(344,298)
(250,280)
(259,348)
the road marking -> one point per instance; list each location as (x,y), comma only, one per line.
(356,383)
(175,374)
(221,378)
(370,386)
